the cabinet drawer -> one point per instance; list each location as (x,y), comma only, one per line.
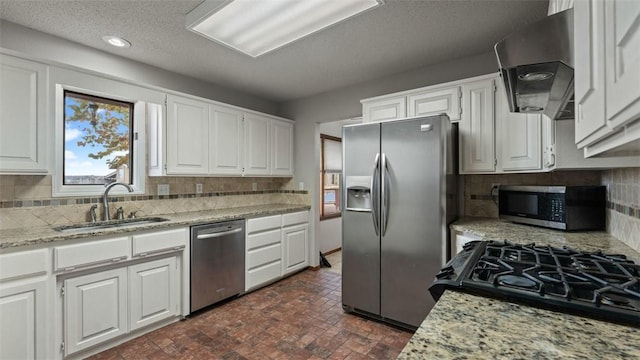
(264,223)
(295,218)
(71,256)
(263,274)
(263,239)
(264,255)
(159,241)
(27,263)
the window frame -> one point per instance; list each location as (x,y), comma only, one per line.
(323,172)
(138,164)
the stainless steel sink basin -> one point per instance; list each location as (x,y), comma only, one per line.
(109,224)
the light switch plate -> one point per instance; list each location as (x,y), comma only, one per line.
(163,189)
(198,188)
(254,186)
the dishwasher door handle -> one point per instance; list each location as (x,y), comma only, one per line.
(218,234)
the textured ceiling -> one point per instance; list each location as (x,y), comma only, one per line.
(398,36)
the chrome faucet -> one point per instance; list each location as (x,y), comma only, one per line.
(105,198)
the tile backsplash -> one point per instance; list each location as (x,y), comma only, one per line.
(26,201)
(623,195)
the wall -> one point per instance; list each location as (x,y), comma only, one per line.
(345,104)
(26,201)
(19,40)
(623,204)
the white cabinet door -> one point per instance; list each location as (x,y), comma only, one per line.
(476,128)
(295,240)
(622,57)
(23,321)
(436,102)
(589,70)
(225,141)
(281,147)
(153,292)
(187,136)
(95,308)
(518,136)
(23,119)
(384,109)
(257,144)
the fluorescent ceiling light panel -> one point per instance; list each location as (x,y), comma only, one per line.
(256,27)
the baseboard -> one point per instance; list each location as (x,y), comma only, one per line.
(331,251)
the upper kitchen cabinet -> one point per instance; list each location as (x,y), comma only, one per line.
(187,136)
(207,138)
(607,72)
(225,140)
(384,108)
(23,119)
(436,102)
(476,131)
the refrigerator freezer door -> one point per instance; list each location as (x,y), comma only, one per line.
(413,216)
(360,242)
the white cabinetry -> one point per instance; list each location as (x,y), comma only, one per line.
(187,136)
(276,245)
(281,147)
(384,109)
(23,117)
(225,141)
(95,309)
(476,131)
(23,325)
(436,102)
(607,69)
(257,139)
(153,292)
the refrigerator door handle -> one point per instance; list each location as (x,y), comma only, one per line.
(375,193)
(384,195)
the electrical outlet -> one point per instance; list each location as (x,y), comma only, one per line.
(163,189)
(254,186)
(198,188)
(301,185)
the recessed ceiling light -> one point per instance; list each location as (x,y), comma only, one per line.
(116,41)
(258,27)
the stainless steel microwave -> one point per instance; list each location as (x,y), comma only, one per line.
(557,207)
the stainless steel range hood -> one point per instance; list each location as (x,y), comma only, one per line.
(536,65)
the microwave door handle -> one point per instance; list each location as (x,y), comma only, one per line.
(375,193)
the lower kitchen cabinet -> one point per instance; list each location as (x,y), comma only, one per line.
(95,309)
(153,292)
(23,320)
(295,248)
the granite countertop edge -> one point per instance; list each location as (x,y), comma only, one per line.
(20,237)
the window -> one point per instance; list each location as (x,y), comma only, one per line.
(331,150)
(98,140)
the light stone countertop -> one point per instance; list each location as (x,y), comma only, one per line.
(12,238)
(463,326)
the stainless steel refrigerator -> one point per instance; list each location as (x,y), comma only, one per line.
(400,184)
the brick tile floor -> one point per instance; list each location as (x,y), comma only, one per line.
(300,317)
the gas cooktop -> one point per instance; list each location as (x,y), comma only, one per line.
(594,284)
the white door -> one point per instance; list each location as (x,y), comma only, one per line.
(257,144)
(187,136)
(225,141)
(95,308)
(589,70)
(22,321)
(153,292)
(281,147)
(385,109)
(476,128)
(622,57)
(23,119)
(519,136)
(295,248)
(436,102)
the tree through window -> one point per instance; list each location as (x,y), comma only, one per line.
(97,140)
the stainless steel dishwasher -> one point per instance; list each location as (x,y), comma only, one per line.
(217,262)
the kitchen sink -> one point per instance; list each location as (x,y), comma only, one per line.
(109,224)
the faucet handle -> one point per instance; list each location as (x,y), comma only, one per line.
(120,213)
(132,215)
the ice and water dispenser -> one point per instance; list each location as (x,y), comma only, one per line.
(358,193)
